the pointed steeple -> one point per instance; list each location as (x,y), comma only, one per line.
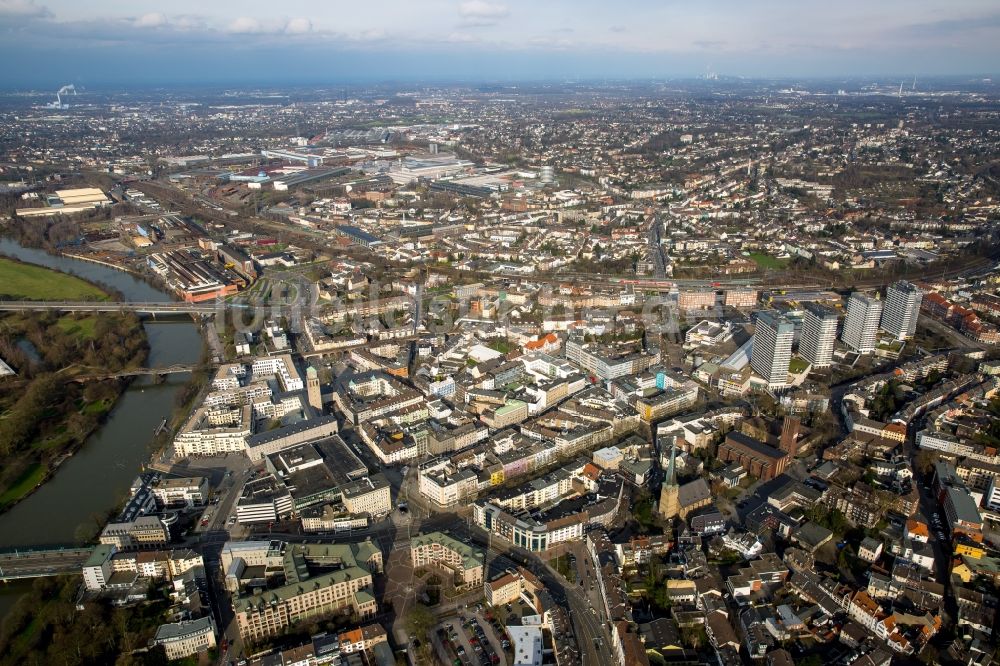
(669,505)
(671,476)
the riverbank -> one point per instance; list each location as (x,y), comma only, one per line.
(19,280)
(77,497)
(47,415)
(117,267)
(78,488)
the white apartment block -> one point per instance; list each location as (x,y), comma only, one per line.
(819,331)
(203,434)
(188,491)
(861,325)
(771,351)
(902,306)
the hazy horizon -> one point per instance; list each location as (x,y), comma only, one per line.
(49,42)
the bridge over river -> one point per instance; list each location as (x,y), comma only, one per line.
(153,308)
(26,563)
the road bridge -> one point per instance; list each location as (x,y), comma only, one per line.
(40,562)
(168,307)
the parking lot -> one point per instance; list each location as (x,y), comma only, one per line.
(471,640)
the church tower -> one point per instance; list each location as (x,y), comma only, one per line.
(669,505)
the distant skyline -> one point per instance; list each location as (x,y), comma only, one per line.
(43,42)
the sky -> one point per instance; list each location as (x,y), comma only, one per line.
(46,42)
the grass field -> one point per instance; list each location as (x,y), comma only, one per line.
(26,281)
(83,327)
(797,365)
(24,484)
(767,261)
(97,407)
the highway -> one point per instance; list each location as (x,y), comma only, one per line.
(22,564)
(166,307)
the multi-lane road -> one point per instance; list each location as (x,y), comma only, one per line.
(164,307)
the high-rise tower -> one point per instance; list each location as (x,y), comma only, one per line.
(819,331)
(861,325)
(771,351)
(902,306)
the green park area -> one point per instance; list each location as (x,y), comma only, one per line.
(768,262)
(23,484)
(797,365)
(79,327)
(29,282)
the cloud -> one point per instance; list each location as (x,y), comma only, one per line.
(23,9)
(298,26)
(373,35)
(478,13)
(188,22)
(151,20)
(245,25)
(549,42)
(955,27)
(461,38)
(481,9)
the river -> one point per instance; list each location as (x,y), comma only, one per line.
(98,476)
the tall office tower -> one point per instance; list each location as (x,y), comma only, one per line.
(771,351)
(861,325)
(902,305)
(819,330)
